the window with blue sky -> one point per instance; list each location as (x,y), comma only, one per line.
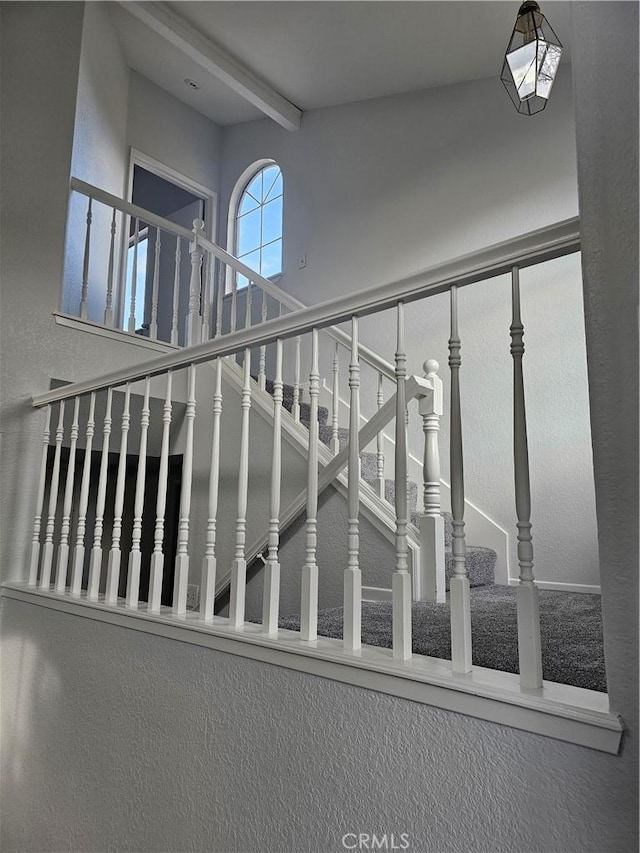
(259,224)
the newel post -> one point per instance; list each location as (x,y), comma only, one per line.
(432,564)
(193,325)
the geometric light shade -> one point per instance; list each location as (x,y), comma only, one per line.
(531,60)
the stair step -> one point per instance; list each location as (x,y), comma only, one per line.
(305,408)
(480,562)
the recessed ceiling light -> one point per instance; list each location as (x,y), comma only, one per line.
(191,83)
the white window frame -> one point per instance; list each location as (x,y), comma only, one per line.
(234,201)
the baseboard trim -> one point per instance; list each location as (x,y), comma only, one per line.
(588,589)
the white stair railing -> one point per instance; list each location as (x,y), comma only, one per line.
(290,327)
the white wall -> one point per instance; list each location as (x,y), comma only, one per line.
(71,55)
(173,133)
(98,156)
(116,740)
(607,143)
(379,189)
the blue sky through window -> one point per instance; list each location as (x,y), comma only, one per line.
(259,224)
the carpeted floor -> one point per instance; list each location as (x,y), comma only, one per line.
(570,627)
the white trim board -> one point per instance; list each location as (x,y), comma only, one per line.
(107,332)
(558,711)
(215,59)
(589,589)
(167,173)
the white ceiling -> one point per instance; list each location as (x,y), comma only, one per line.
(318,54)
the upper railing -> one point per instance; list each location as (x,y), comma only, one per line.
(533,248)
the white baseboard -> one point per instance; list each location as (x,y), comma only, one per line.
(589,589)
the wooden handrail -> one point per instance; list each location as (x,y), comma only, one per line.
(563,238)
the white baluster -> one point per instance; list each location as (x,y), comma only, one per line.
(459,584)
(379,484)
(234,300)
(239,568)
(135,555)
(37,521)
(248,305)
(432,574)
(262,364)
(95,563)
(153,325)
(352,575)
(63,547)
(295,408)
(47,552)
(192,330)
(181,577)
(220,299)
(78,551)
(271,596)
(85,265)
(157,557)
(529,650)
(309,607)
(108,308)
(335,404)
(115,554)
(207,297)
(134,277)
(401,584)
(176,293)
(208,582)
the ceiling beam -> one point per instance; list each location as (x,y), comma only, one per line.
(216,61)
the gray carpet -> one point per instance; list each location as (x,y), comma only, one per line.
(571,630)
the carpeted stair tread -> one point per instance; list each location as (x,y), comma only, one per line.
(480,564)
(571,632)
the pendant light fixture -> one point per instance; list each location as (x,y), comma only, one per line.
(531,60)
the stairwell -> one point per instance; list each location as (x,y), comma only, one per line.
(480,561)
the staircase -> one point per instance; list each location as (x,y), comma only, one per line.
(480,561)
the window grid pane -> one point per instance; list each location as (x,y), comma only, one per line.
(258,241)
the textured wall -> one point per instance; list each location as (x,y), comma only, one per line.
(116,740)
(100,126)
(607,143)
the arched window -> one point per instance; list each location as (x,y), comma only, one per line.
(258,223)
